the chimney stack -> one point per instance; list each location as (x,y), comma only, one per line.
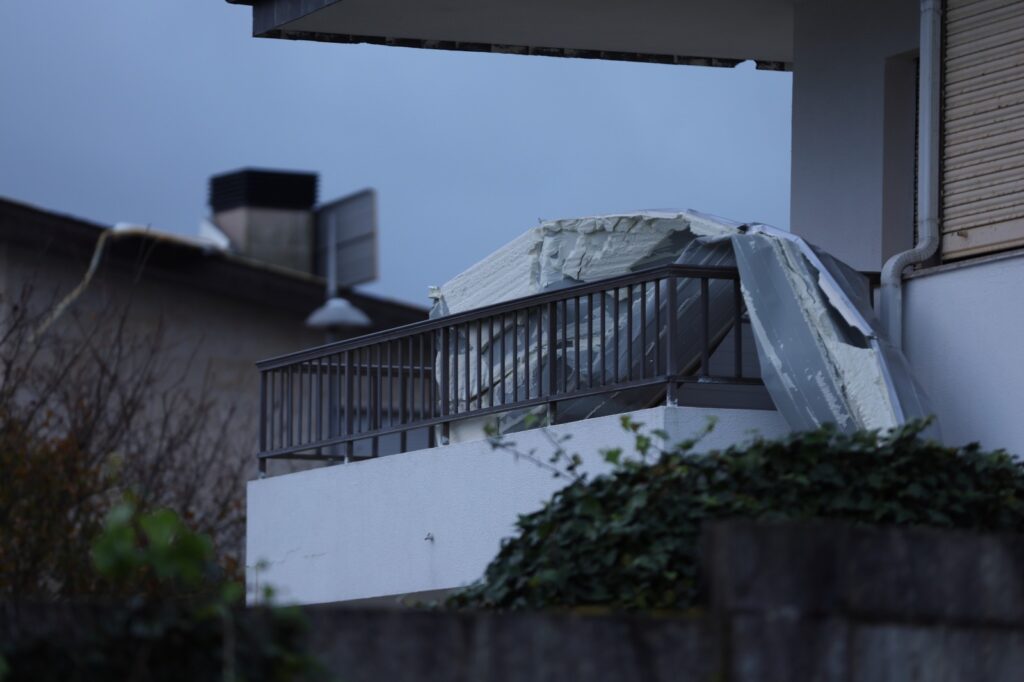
(268,215)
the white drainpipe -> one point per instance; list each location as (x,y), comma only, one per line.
(929,111)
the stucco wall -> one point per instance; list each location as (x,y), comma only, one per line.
(359,530)
(964,336)
(216,338)
(849,145)
(784,602)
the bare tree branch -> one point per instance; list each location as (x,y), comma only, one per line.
(92,409)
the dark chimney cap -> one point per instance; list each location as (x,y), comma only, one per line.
(262,188)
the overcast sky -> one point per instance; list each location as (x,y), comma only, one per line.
(119,110)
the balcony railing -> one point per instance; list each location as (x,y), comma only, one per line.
(632,340)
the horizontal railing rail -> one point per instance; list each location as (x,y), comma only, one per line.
(567,353)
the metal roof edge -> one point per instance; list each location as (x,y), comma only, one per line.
(461,46)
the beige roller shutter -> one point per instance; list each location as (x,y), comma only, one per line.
(983,127)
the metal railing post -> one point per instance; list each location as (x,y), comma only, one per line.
(262,463)
(737,301)
(263,412)
(552,360)
(672,390)
(349,407)
(319,400)
(705,332)
(445,379)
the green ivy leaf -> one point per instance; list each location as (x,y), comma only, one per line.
(629,539)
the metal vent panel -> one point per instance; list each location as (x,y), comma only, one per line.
(354,219)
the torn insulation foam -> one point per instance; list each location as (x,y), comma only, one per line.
(822,355)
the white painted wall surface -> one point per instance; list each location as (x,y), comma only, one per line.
(964,336)
(840,136)
(358,530)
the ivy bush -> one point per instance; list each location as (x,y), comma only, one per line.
(629,539)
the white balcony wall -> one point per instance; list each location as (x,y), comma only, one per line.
(431,519)
(964,336)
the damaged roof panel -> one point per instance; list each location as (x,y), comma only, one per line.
(823,357)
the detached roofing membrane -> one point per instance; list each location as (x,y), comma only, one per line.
(823,356)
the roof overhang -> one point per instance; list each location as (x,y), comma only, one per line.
(165,258)
(696,32)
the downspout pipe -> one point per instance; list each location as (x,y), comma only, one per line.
(929,112)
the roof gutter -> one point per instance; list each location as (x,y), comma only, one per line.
(929,111)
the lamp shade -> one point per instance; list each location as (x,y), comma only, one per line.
(337,312)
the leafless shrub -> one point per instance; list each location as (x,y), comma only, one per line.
(94,408)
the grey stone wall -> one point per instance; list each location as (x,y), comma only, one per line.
(434,646)
(833,602)
(784,602)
